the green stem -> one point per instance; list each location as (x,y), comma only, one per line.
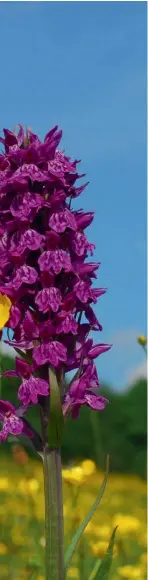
(53,514)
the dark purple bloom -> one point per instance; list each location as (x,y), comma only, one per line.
(98,349)
(25,206)
(55,261)
(11,422)
(29,326)
(26,172)
(67,323)
(24,275)
(61,220)
(31,388)
(15,316)
(91,317)
(80,394)
(80,244)
(84,219)
(30,239)
(83,269)
(48,299)
(51,352)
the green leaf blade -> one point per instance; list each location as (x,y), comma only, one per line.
(105,566)
(79,532)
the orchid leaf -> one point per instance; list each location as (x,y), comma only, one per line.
(79,532)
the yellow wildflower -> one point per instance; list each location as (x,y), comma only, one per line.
(88,467)
(75,475)
(98,530)
(73,573)
(33,485)
(3,548)
(142,340)
(126,523)
(5,305)
(22,486)
(100,548)
(30,486)
(144,558)
(131,572)
(4,484)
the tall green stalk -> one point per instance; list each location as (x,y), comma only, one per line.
(53,514)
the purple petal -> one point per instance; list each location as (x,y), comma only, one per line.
(15,316)
(91,317)
(84,219)
(81,245)
(32,239)
(30,389)
(95,402)
(48,299)
(22,344)
(6,407)
(68,324)
(9,374)
(24,206)
(61,220)
(55,261)
(82,290)
(23,369)
(30,171)
(96,293)
(51,352)
(98,349)
(24,275)
(30,328)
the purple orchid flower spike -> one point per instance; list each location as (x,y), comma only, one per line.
(44,267)
(46,273)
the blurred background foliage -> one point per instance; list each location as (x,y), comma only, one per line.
(119,430)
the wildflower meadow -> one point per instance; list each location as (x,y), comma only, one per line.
(22,539)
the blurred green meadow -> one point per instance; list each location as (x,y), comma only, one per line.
(120,431)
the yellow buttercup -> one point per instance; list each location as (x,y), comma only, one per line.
(5,305)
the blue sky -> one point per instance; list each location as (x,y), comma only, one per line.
(82,65)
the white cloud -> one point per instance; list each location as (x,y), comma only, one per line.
(138,373)
(7,350)
(125,338)
(127,359)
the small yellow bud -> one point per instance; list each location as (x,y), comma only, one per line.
(130,572)
(88,467)
(3,549)
(142,340)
